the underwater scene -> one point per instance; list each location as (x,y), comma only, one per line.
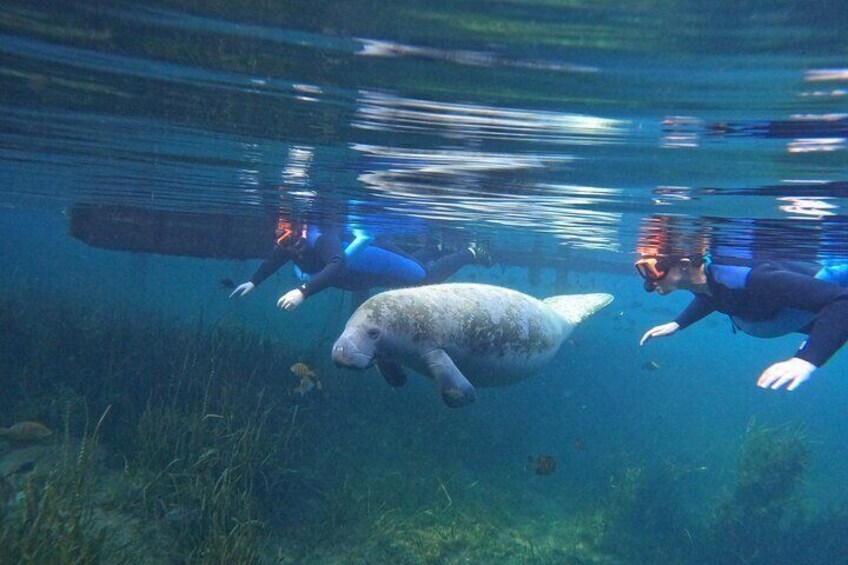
(412,282)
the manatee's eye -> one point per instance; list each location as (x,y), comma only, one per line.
(373,333)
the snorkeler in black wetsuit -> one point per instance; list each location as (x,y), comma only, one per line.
(796,128)
(769,299)
(322,260)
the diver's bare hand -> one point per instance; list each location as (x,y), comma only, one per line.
(792,372)
(659,331)
(291,300)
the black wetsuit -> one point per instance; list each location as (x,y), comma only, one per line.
(772,286)
(783,129)
(325,263)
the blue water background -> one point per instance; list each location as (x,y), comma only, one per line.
(188,107)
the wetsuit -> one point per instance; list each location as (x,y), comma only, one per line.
(783,129)
(324,264)
(772,289)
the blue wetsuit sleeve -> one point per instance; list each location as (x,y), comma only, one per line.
(700,307)
(330,252)
(279,257)
(829,331)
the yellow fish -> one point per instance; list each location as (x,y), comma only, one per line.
(26,431)
(304,386)
(308,379)
(302,370)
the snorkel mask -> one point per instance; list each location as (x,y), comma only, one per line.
(653,270)
(291,235)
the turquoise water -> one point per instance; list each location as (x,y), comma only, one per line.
(145,148)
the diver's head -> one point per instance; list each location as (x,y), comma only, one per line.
(672,251)
(667,273)
(291,234)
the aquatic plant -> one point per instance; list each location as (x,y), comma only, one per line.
(440,534)
(642,519)
(821,540)
(191,408)
(53,520)
(205,457)
(755,523)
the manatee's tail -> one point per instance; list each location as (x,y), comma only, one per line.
(574,308)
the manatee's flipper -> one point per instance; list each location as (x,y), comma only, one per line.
(455,389)
(392,372)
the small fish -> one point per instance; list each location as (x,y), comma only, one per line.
(304,386)
(579,444)
(542,465)
(650,366)
(227,283)
(302,370)
(308,379)
(26,431)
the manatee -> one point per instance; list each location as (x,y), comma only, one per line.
(461,335)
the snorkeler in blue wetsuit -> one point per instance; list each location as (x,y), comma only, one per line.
(767,299)
(322,259)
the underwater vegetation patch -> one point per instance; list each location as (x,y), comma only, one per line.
(202,465)
(200,426)
(759,520)
(50,518)
(642,519)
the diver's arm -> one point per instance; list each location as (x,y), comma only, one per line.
(700,307)
(331,253)
(829,331)
(280,256)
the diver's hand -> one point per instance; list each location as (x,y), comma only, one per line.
(242,289)
(794,372)
(291,300)
(659,331)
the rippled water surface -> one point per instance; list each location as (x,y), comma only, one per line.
(572,121)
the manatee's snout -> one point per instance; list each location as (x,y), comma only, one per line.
(348,353)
